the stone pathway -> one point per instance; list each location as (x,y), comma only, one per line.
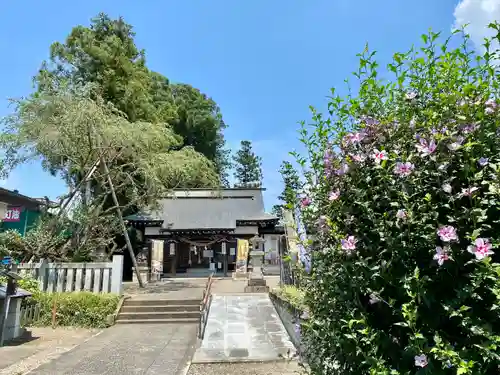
(40,346)
(269,368)
(170,288)
(126,350)
(243,328)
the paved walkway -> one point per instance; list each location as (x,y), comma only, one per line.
(243,328)
(40,346)
(167,289)
(126,350)
(266,368)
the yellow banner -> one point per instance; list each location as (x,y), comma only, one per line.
(242,254)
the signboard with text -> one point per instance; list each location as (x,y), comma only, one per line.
(13,214)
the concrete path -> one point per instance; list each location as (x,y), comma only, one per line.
(129,349)
(40,345)
(167,289)
(243,328)
(265,368)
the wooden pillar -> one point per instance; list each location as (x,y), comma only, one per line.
(173,254)
(224,256)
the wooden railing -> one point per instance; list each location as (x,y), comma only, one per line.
(29,315)
(99,277)
(205,306)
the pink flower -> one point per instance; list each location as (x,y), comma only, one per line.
(353,138)
(404,169)
(442,255)
(491,106)
(468,191)
(426,147)
(305,202)
(349,244)
(481,248)
(490,103)
(334,195)
(378,156)
(359,158)
(489,110)
(447,233)
(421,360)
(401,214)
(469,128)
(328,159)
(344,168)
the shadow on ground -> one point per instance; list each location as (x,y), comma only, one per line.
(25,338)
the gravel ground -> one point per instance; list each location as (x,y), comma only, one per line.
(270,368)
(23,355)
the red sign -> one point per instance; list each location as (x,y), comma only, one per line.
(13,214)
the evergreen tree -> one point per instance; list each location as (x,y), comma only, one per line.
(248,166)
(291,182)
(277,211)
(105,55)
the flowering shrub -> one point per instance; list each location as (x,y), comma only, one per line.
(404,200)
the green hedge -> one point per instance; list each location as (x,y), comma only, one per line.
(292,295)
(76,309)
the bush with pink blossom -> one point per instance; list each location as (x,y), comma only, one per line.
(404,203)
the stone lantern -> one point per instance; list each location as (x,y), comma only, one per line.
(256,281)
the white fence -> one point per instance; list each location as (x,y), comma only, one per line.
(102,277)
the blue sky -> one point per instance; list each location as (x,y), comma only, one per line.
(264,62)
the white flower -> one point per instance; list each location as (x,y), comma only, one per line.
(421,360)
(447,188)
(378,156)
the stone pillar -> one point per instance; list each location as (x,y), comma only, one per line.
(257,283)
(156,259)
(144,272)
(13,319)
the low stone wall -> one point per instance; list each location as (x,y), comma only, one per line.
(290,316)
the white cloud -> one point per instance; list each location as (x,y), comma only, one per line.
(477,14)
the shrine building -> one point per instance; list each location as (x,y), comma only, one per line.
(198,230)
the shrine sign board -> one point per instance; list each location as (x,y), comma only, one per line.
(13,214)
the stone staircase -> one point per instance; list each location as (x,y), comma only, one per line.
(159,311)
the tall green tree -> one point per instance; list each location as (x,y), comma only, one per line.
(105,54)
(277,211)
(69,131)
(199,121)
(291,185)
(248,166)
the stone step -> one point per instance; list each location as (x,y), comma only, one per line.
(159,308)
(161,302)
(159,315)
(157,321)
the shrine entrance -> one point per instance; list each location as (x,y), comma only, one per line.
(199,256)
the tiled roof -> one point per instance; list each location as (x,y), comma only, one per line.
(209,209)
